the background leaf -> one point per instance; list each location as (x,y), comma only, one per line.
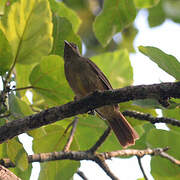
(117,14)
(163,168)
(49,80)
(29,30)
(17,154)
(116,66)
(62,10)
(155,12)
(146,3)
(165,61)
(54,139)
(18,108)
(6,56)
(63,31)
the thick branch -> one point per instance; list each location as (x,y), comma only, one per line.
(95,100)
(150,118)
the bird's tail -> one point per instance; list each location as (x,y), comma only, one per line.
(122,129)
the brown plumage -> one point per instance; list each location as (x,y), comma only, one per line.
(84,77)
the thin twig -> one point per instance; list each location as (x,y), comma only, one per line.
(141,167)
(70,139)
(150,118)
(23,88)
(82,175)
(100,140)
(172,159)
(5,115)
(101,162)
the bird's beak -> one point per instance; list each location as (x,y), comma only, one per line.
(66,43)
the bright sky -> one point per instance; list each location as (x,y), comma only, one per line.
(165,37)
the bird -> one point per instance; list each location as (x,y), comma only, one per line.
(84,78)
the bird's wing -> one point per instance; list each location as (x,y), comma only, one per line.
(100,74)
(102,77)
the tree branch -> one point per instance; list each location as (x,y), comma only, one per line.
(153,120)
(82,175)
(172,159)
(86,155)
(6,174)
(95,100)
(100,160)
(100,140)
(141,167)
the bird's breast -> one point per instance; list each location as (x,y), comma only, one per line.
(82,79)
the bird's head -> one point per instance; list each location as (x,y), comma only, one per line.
(70,50)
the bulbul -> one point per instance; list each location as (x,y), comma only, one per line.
(84,77)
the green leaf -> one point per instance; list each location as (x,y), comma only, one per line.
(148,103)
(165,61)
(54,140)
(6,56)
(18,108)
(25,175)
(172,113)
(2,6)
(171,9)
(63,11)
(63,31)
(155,12)
(161,167)
(17,154)
(116,66)
(145,3)
(22,76)
(128,36)
(49,81)
(115,15)
(29,30)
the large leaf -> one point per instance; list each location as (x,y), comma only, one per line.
(165,61)
(49,81)
(63,31)
(29,30)
(54,140)
(89,129)
(115,15)
(6,56)
(25,175)
(63,11)
(146,3)
(172,113)
(116,66)
(2,5)
(17,154)
(128,36)
(155,12)
(18,108)
(161,167)
(22,76)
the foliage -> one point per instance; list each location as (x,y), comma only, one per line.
(32,35)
